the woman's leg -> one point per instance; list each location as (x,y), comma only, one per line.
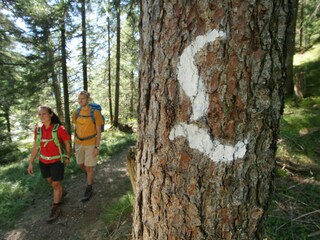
(57,191)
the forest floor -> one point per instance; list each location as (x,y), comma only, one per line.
(79,221)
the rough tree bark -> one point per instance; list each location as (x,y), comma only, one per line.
(211,97)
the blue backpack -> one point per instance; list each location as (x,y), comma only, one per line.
(93,106)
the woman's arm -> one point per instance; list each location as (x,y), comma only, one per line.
(34,152)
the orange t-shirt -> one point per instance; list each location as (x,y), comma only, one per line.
(85,126)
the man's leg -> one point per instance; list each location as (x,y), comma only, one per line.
(82,167)
(90,175)
(89,191)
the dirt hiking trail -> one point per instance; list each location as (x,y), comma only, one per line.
(79,221)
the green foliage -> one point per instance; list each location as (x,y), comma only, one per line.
(10,153)
(294,211)
(308,22)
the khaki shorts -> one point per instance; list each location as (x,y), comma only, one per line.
(84,155)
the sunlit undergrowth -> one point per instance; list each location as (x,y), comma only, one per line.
(117,216)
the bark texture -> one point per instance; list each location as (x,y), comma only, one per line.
(185,189)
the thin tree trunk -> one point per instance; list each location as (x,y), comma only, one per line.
(301,24)
(132,94)
(52,72)
(109,75)
(210,101)
(7,117)
(57,92)
(84,45)
(117,86)
(65,76)
(55,83)
(289,49)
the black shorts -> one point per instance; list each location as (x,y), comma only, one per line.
(53,170)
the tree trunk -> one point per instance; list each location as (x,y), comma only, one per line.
(132,94)
(55,82)
(109,74)
(84,45)
(301,5)
(289,48)
(132,167)
(53,73)
(300,85)
(210,102)
(57,92)
(65,76)
(7,117)
(117,87)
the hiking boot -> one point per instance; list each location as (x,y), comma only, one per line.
(87,194)
(55,213)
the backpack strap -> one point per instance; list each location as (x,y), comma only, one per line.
(39,139)
(39,136)
(56,139)
(55,135)
(92,115)
(78,112)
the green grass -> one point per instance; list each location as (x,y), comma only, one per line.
(118,213)
(299,131)
(294,212)
(18,189)
(113,141)
(309,63)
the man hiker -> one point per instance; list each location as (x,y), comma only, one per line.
(87,123)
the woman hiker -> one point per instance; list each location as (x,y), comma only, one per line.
(49,139)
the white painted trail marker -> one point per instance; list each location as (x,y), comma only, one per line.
(200,139)
(194,88)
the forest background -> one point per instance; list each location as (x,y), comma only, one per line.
(50,50)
